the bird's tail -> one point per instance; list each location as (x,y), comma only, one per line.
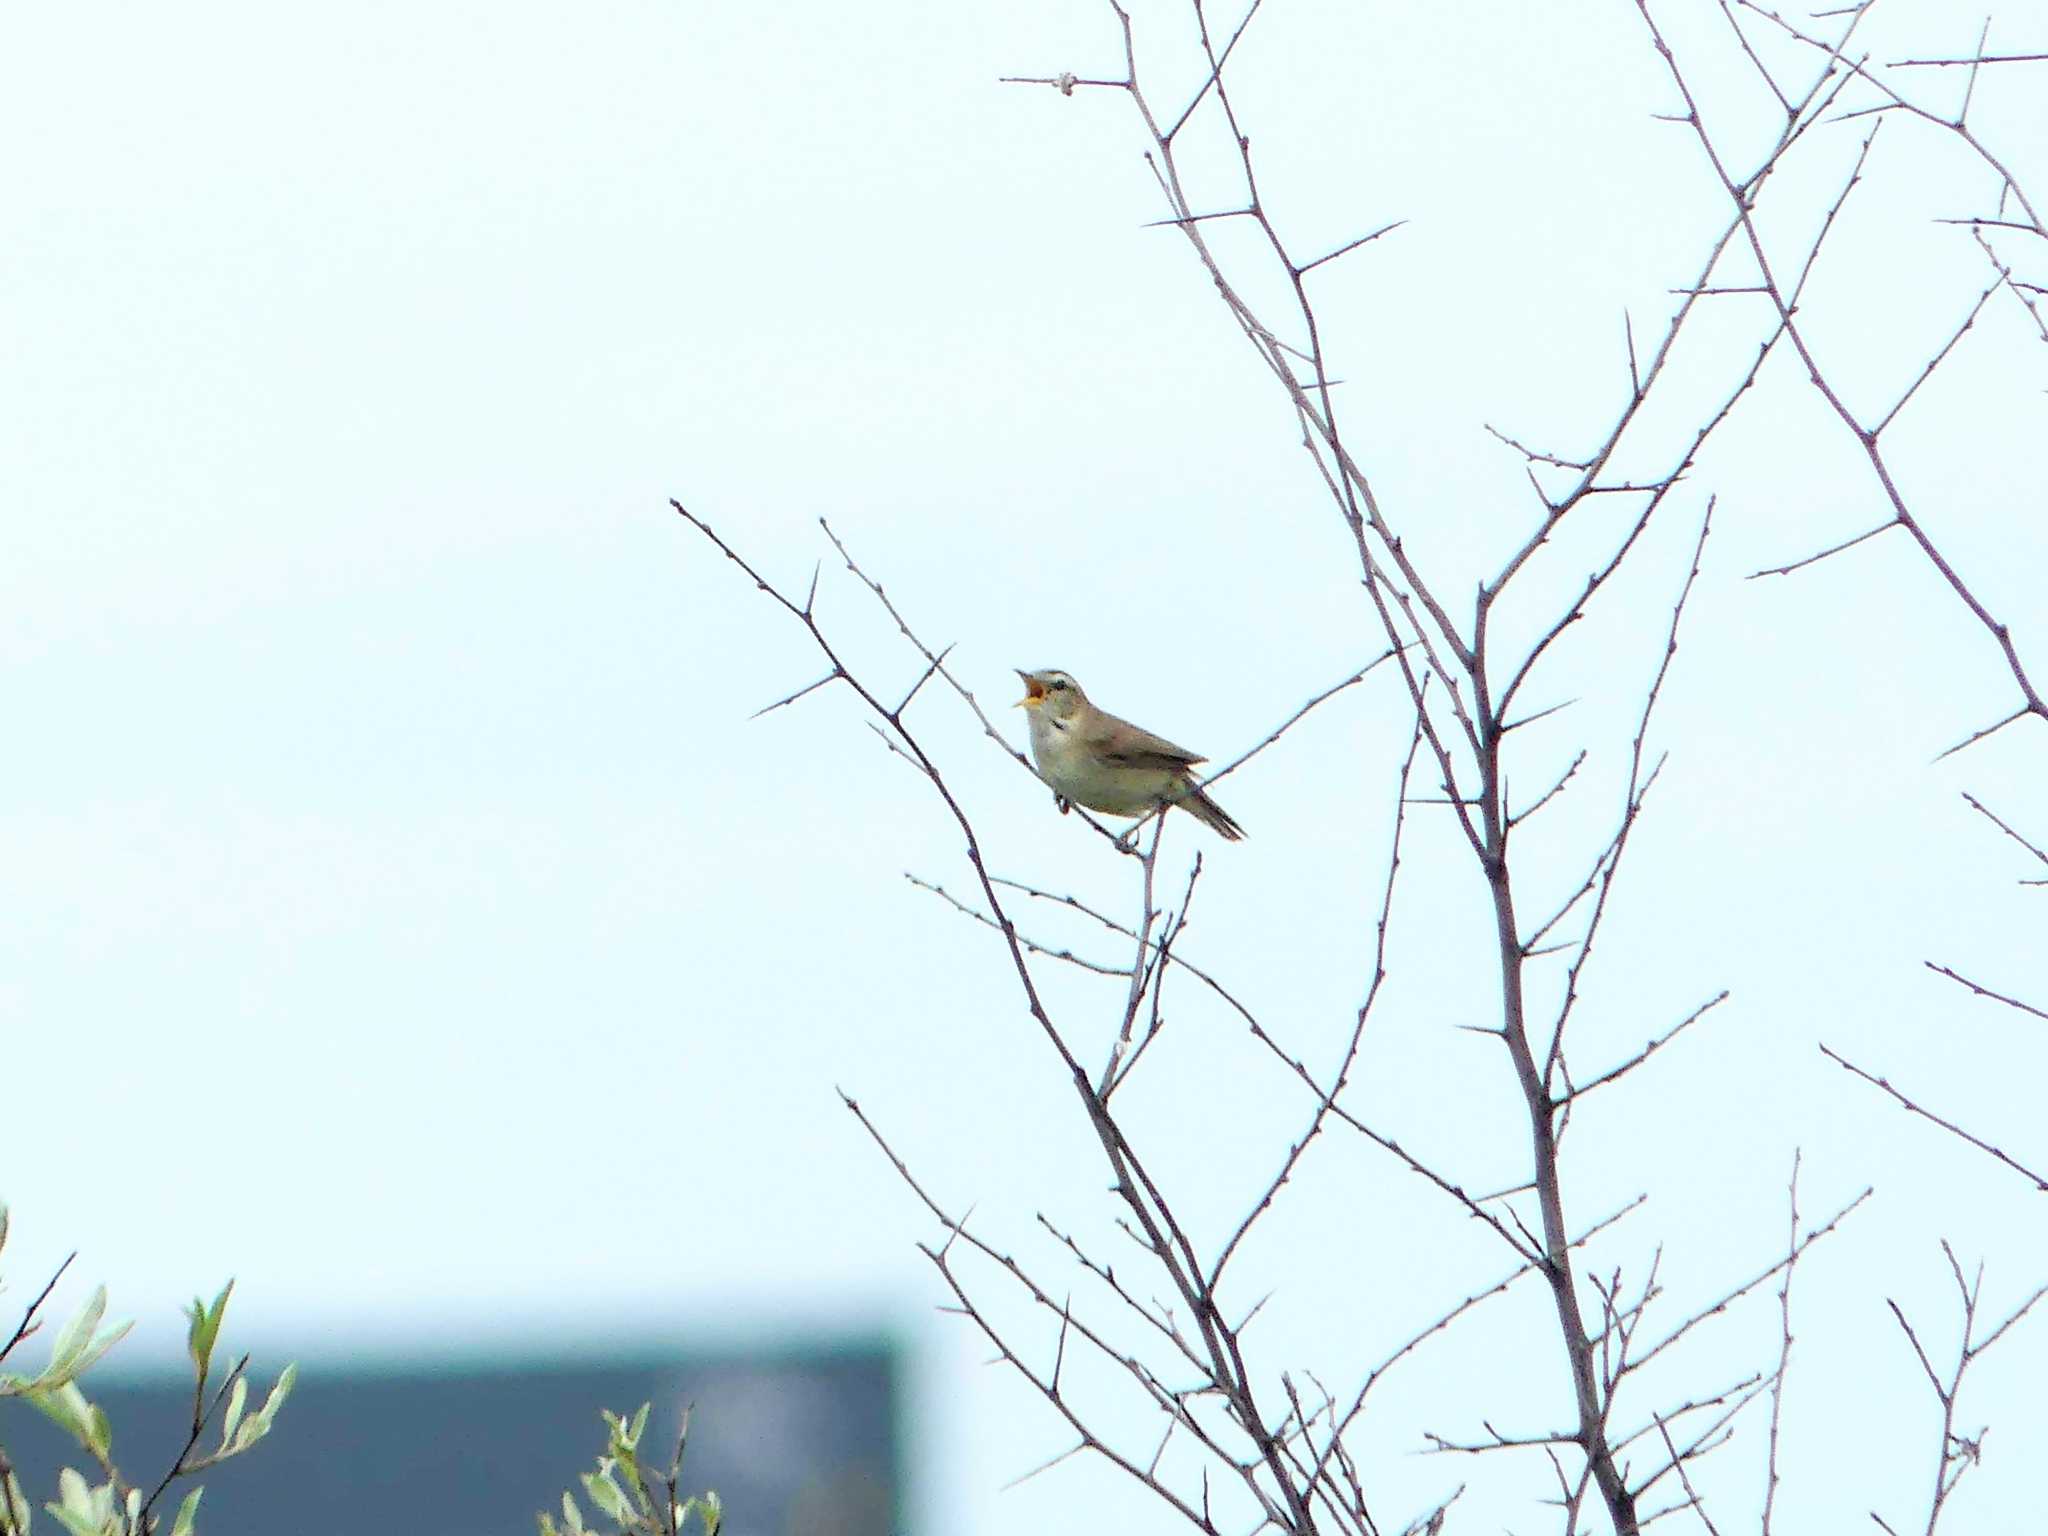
(1196,803)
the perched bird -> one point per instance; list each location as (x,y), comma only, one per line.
(1092,758)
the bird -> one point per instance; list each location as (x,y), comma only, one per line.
(1092,758)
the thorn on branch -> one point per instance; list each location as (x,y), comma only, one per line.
(1990,730)
(1836,549)
(896,714)
(830,677)
(1348,247)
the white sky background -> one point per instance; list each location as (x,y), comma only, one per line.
(403,916)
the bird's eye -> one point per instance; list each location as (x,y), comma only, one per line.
(1059,683)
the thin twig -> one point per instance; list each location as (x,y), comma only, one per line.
(1950,1126)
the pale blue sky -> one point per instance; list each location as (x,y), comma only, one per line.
(405,917)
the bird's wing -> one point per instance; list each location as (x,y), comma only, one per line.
(1119,741)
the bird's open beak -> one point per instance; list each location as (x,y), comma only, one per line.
(1034,691)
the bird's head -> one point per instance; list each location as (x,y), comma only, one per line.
(1052,691)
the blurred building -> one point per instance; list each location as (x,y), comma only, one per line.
(798,1442)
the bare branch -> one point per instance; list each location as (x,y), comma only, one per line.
(28,1323)
(1867,437)
(1729,1298)
(1778,1377)
(1349,246)
(1972,60)
(1649,1050)
(1832,549)
(1983,991)
(1950,1126)
(1977,806)
(1976,736)
(830,677)
(1957,1452)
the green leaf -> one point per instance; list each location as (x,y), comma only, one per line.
(83,1509)
(260,1421)
(80,1344)
(74,1492)
(605,1492)
(14,1506)
(182,1526)
(238,1400)
(77,1348)
(75,1336)
(67,1408)
(205,1328)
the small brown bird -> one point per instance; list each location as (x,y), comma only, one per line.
(1092,758)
